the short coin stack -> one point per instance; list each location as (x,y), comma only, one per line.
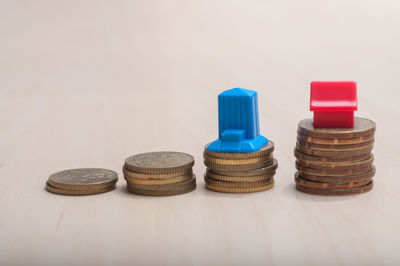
(83,181)
(160,173)
(240,172)
(335,161)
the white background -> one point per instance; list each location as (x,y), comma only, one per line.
(88,83)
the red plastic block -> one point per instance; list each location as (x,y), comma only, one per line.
(333,103)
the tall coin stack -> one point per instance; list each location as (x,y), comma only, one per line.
(160,173)
(240,172)
(335,161)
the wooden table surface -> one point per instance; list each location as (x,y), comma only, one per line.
(88,83)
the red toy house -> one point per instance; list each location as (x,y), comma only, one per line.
(333,103)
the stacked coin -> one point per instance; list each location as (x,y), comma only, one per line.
(335,161)
(160,173)
(240,172)
(84,181)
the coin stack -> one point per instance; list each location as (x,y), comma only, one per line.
(240,172)
(83,181)
(335,161)
(160,173)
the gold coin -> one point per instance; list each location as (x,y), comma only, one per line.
(236,161)
(166,187)
(159,162)
(158,181)
(263,152)
(255,172)
(83,179)
(138,175)
(333,141)
(239,190)
(337,166)
(244,167)
(55,190)
(237,184)
(239,178)
(362,127)
(162,192)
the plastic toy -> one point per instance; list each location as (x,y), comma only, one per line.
(239,129)
(333,103)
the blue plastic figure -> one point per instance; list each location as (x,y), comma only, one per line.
(239,129)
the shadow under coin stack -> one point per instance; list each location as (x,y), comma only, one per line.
(335,161)
(160,173)
(240,172)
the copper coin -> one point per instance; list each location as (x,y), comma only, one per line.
(335,192)
(339,178)
(83,179)
(362,127)
(329,147)
(159,162)
(334,153)
(319,172)
(239,189)
(69,192)
(307,157)
(263,152)
(255,172)
(337,166)
(333,141)
(321,185)
(226,184)
(239,178)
